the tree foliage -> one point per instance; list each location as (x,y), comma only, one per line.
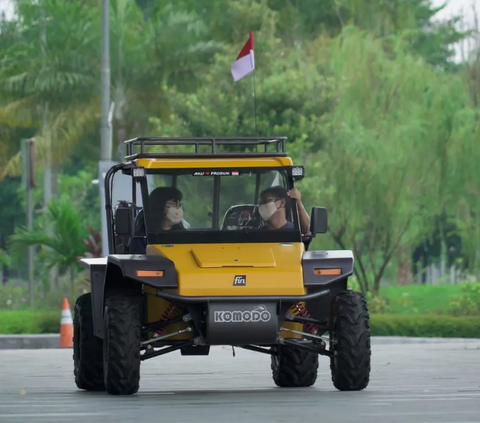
(384,122)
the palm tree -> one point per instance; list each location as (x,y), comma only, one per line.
(56,87)
(165,46)
(61,249)
(48,76)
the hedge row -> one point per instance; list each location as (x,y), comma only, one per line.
(27,322)
(425,326)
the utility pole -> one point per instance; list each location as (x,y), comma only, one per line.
(106,127)
(47,173)
(28,183)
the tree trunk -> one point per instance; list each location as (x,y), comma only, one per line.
(72,283)
(404,274)
(361,274)
(121,138)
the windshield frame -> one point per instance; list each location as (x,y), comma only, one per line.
(216,235)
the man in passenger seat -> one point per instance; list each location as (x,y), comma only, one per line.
(273,206)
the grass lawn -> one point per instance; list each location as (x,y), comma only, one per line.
(419,299)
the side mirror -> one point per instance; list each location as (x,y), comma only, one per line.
(319,220)
(124,221)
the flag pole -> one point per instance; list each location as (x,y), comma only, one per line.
(255,102)
(244,65)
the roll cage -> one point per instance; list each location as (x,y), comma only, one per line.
(120,222)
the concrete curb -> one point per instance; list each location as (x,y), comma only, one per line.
(386,340)
(29,342)
(52,341)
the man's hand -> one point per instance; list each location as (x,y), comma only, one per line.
(304,217)
(295,193)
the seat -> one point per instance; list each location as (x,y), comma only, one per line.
(138,243)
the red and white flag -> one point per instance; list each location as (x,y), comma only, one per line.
(245,62)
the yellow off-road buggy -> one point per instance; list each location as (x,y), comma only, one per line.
(219,275)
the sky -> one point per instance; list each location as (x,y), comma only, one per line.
(463,7)
(6,6)
(460,7)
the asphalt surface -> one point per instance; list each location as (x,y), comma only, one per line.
(410,383)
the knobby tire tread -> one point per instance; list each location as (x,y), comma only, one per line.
(352,349)
(295,368)
(122,360)
(88,362)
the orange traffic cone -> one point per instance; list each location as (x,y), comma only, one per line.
(66,326)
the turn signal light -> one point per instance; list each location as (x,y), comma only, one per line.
(327,272)
(149,273)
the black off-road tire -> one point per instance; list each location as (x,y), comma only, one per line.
(294,367)
(87,348)
(121,344)
(350,342)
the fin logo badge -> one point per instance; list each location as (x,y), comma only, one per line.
(240,280)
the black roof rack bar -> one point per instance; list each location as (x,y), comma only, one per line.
(204,139)
(232,155)
(279,142)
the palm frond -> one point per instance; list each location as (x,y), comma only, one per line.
(65,244)
(5,259)
(61,135)
(19,113)
(25,237)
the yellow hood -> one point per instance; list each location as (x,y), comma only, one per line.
(210,269)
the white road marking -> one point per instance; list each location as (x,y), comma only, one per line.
(55,415)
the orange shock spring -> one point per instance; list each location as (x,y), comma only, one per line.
(300,310)
(170,313)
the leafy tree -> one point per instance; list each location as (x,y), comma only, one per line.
(167,48)
(359,122)
(385,125)
(62,249)
(49,75)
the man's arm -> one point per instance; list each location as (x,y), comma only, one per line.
(303,215)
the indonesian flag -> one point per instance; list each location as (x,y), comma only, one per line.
(245,62)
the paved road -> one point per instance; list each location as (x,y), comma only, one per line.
(421,383)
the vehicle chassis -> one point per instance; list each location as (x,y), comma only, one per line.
(322,299)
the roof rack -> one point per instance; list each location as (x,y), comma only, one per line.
(213,142)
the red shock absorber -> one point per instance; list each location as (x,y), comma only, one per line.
(170,313)
(300,310)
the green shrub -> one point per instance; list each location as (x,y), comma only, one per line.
(468,301)
(425,326)
(15,297)
(28,322)
(375,304)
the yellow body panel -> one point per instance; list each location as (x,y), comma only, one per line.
(280,274)
(286,278)
(216,256)
(256,162)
